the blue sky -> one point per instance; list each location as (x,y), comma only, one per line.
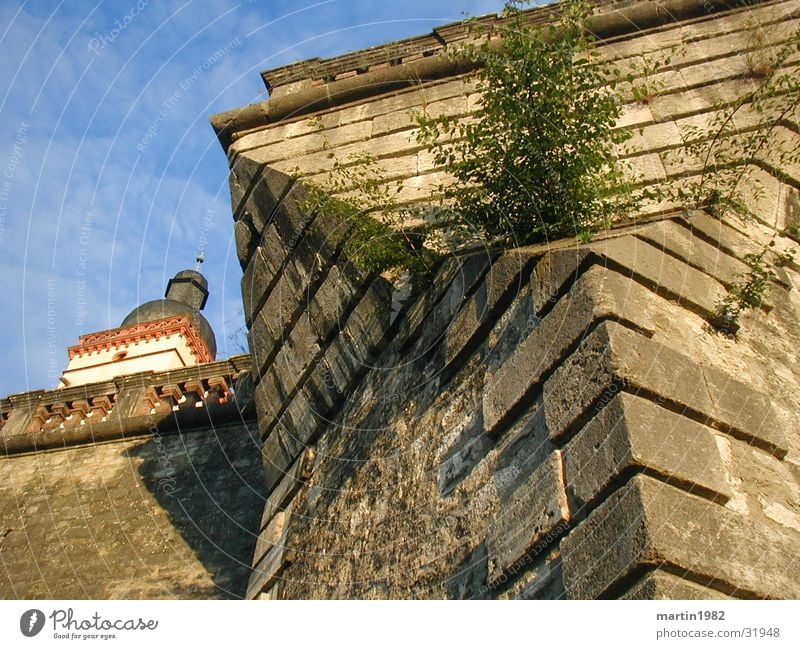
(111,179)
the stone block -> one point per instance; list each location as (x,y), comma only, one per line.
(555,271)
(296,357)
(535,516)
(276,457)
(269,568)
(727,238)
(598,293)
(265,191)
(256,284)
(680,242)
(662,273)
(417,313)
(327,309)
(295,213)
(269,536)
(505,277)
(466,279)
(647,523)
(270,399)
(284,306)
(284,491)
(660,584)
(289,438)
(631,434)
(614,357)
(246,241)
(368,323)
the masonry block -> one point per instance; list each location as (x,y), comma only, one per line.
(597,294)
(505,277)
(613,356)
(680,242)
(269,568)
(663,273)
(534,516)
(555,271)
(283,493)
(648,523)
(631,433)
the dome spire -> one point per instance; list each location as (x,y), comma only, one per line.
(189,287)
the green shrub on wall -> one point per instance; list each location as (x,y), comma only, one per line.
(538,158)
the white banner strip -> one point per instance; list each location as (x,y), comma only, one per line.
(378,625)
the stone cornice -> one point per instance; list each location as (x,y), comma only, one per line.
(128,406)
(155,329)
(309,86)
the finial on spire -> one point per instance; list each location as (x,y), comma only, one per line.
(200,259)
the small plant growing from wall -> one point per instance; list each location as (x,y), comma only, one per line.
(730,155)
(539,158)
(384,237)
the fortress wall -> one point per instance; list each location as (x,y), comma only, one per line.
(148,486)
(556,421)
(548,422)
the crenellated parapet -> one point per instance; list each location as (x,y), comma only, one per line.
(200,395)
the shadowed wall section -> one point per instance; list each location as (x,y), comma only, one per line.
(155,494)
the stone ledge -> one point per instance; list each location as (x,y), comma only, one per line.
(376,79)
(648,523)
(614,357)
(631,433)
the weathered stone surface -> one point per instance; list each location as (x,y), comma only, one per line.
(649,523)
(613,356)
(535,516)
(679,241)
(469,579)
(504,277)
(663,273)
(659,584)
(155,517)
(597,294)
(631,433)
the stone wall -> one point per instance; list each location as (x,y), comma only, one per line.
(549,422)
(147,486)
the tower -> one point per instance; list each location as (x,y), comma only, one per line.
(159,335)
